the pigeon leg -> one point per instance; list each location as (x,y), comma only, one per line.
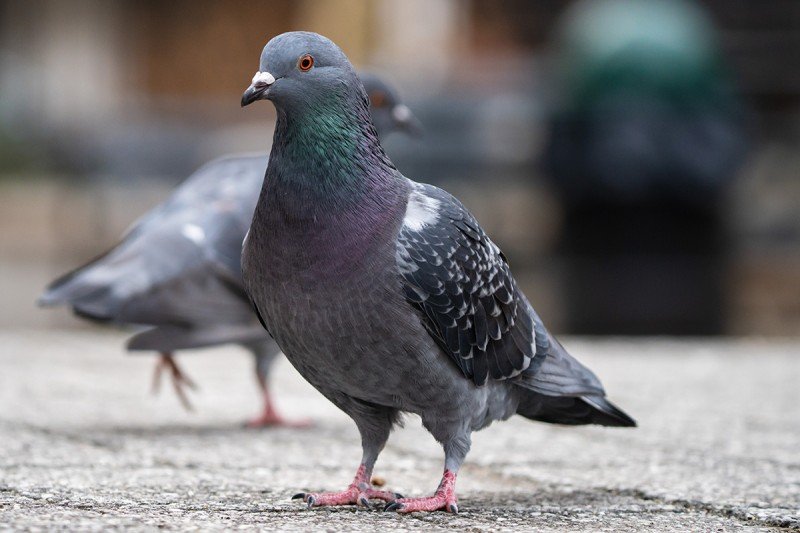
(166,362)
(444,498)
(270,417)
(359,492)
(455,451)
(374,423)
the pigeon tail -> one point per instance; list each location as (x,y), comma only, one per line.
(77,289)
(563,391)
(572,411)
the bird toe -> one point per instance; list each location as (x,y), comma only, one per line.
(393,506)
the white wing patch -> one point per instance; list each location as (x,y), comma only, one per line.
(194,233)
(421,211)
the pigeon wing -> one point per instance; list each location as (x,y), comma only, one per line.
(461,284)
(180,263)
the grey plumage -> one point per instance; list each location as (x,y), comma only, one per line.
(177,271)
(177,267)
(384,293)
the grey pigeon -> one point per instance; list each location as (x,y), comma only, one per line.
(385,293)
(178,269)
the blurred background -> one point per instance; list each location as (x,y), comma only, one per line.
(638,162)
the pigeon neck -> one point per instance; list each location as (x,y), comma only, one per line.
(327,158)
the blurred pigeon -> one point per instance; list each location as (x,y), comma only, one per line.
(384,293)
(178,268)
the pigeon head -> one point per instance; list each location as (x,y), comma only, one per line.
(388,112)
(325,148)
(300,72)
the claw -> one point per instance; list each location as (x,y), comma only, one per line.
(299,496)
(453,508)
(393,506)
(359,493)
(397,495)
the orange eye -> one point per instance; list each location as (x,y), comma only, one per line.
(377,98)
(305,63)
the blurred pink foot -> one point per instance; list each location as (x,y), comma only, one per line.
(443,499)
(359,492)
(180,381)
(269,417)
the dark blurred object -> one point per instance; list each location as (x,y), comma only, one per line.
(646,137)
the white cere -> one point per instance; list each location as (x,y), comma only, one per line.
(194,233)
(263,78)
(401,113)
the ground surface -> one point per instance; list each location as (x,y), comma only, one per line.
(84,446)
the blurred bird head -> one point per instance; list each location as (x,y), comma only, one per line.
(389,113)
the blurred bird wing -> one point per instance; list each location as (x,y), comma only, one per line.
(180,263)
(461,284)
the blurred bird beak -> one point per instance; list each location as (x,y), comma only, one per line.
(406,121)
(261,82)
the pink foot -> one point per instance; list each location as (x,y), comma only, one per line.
(180,381)
(444,498)
(272,419)
(269,417)
(359,492)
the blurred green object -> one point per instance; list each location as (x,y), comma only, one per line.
(644,106)
(646,134)
(664,47)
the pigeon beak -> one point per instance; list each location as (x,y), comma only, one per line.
(261,82)
(406,121)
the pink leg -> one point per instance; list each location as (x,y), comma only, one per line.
(359,492)
(444,498)
(270,417)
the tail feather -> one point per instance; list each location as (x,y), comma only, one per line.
(572,410)
(563,391)
(84,290)
(71,286)
(608,414)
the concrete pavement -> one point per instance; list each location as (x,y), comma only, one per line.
(83,445)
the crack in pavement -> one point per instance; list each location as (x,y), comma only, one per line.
(721,510)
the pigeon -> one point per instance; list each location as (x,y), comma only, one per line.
(386,294)
(178,270)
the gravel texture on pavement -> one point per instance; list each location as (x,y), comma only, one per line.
(85,446)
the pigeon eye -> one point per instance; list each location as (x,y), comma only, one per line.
(305,63)
(377,98)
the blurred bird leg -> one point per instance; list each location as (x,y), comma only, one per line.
(359,492)
(166,362)
(444,498)
(269,416)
